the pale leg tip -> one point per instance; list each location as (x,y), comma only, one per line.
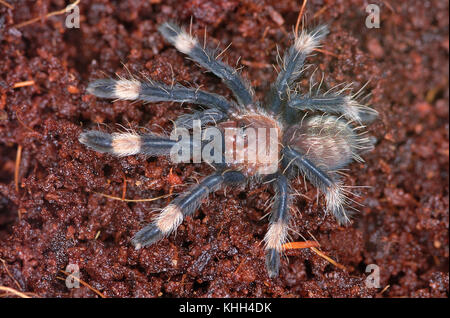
(137,246)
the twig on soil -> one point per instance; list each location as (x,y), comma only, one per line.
(23,124)
(124,187)
(6,4)
(326,52)
(17,167)
(300,15)
(321,254)
(312,245)
(321,10)
(85,284)
(66,9)
(384,289)
(299,245)
(318,252)
(13,291)
(23,84)
(265,32)
(132,200)
(239,266)
(9,273)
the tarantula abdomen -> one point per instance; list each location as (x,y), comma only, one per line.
(330,142)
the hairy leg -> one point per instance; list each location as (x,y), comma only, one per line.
(204,56)
(126,144)
(326,182)
(149,91)
(292,65)
(183,205)
(278,228)
(334,104)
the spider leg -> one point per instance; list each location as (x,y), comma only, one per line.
(204,56)
(183,205)
(327,183)
(293,62)
(126,144)
(157,92)
(278,228)
(207,116)
(334,104)
(131,143)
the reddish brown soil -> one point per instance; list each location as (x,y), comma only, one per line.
(56,218)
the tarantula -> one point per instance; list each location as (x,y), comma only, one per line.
(317,134)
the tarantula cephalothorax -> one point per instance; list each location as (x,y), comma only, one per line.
(317,134)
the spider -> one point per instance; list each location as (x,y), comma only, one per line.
(317,134)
